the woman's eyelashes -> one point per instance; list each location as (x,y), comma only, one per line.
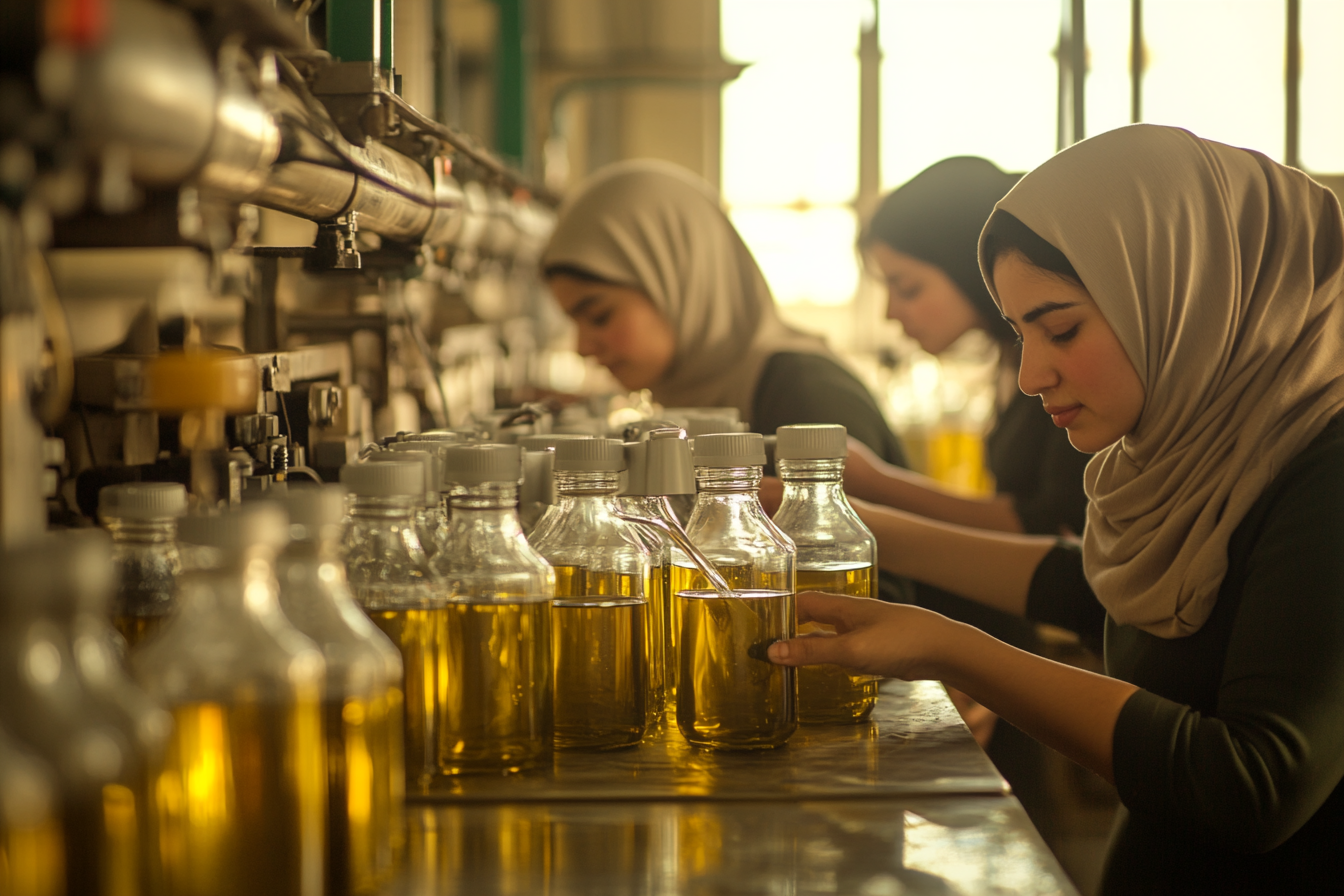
(1066,336)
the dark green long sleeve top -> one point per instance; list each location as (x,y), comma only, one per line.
(1228,760)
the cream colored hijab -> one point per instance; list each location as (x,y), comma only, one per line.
(660,229)
(1221,273)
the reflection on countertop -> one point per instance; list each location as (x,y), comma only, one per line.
(915,743)
(872,847)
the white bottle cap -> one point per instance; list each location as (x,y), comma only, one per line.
(668,468)
(729,449)
(811,441)
(142,500)
(486,462)
(550,440)
(236,529)
(590,456)
(385,479)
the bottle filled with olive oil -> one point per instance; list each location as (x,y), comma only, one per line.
(431,519)
(492,617)
(142,520)
(605,643)
(658,468)
(67,700)
(390,578)
(362,703)
(32,847)
(242,796)
(729,695)
(836,554)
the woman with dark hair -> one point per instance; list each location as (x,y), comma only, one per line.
(922,242)
(668,298)
(1181,308)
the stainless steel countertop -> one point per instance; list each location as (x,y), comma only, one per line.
(907,804)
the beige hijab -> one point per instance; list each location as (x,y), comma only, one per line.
(1221,273)
(658,228)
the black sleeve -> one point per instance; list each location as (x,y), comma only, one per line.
(1033,463)
(1059,595)
(801,388)
(1254,770)
(1058,501)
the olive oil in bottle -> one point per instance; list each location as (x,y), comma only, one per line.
(836,554)
(32,847)
(730,695)
(492,613)
(604,644)
(142,520)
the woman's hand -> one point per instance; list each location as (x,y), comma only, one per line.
(891,640)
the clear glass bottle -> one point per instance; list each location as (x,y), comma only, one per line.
(537,495)
(391,580)
(32,847)
(362,707)
(95,751)
(836,554)
(432,517)
(658,468)
(729,696)
(243,794)
(605,643)
(494,608)
(142,519)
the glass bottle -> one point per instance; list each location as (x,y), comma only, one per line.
(362,706)
(142,519)
(96,754)
(836,554)
(32,848)
(729,696)
(242,796)
(391,580)
(494,608)
(537,495)
(431,520)
(604,643)
(657,468)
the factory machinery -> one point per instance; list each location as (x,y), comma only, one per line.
(231,253)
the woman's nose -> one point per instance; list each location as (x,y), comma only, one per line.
(1036,374)
(588,343)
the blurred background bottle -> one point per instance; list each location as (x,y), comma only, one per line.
(836,554)
(142,519)
(243,794)
(32,848)
(362,707)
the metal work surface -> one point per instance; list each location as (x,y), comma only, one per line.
(898,846)
(915,744)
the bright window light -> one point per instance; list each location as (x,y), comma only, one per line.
(806,256)
(1322,134)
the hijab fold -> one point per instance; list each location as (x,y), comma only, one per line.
(658,228)
(1221,273)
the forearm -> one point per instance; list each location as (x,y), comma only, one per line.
(1069,709)
(992,568)
(868,478)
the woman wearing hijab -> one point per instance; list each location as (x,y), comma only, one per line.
(1180,307)
(668,298)
(922,240)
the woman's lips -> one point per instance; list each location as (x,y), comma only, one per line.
(1063,415)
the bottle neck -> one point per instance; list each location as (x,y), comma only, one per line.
(235,583)
(485,497)
(135,531)
(572,482)
(390,509)
(831,469)
(727,480)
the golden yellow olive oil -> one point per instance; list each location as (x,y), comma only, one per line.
(419,635)
(828,694)
(494,708)
(729,694)
(242,800)
(656,643)
(601,691)
(138,628)
(361,827)
(32,856)
(688,578)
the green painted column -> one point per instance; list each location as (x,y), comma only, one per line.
(511,66)
(356,32)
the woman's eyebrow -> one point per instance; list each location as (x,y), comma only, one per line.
(1046,308)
